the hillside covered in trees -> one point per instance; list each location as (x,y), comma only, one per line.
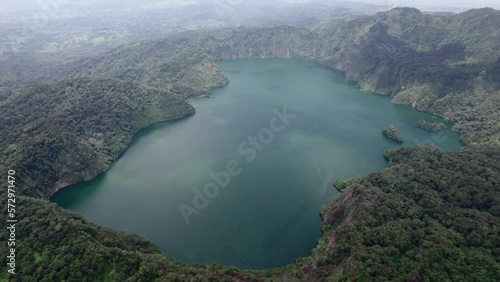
(69,130)
(430,216)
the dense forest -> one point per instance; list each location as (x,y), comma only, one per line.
(430,216)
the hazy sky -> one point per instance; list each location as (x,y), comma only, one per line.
(10,5)
(426,4)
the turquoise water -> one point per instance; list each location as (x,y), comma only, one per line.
(310,128)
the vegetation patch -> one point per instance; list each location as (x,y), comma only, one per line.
(393,133)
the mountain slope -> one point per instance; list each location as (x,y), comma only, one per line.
(430,216)
(70,132)
(418,59)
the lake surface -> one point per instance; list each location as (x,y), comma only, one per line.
(311,128)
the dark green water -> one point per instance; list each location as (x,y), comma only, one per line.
(268,214)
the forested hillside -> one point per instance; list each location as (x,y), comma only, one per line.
(56,245)
(63,124)
(430,216)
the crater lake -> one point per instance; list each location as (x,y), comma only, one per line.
(243,180)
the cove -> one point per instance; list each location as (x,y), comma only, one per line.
(268,214)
